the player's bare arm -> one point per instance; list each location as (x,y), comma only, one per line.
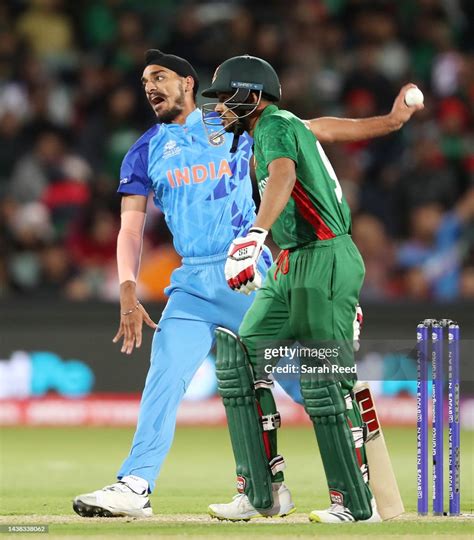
(129,245)
(241,267)
(329,129)
(280,184)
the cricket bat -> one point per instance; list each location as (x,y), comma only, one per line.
(381,476)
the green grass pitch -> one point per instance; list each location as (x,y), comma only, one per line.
(43,469)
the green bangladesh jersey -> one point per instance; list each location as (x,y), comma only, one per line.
(316,209)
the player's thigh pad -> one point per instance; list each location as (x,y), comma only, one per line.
(236,387)
(339,445)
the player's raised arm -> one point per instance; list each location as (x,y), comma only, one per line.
(330,129)
(129,247)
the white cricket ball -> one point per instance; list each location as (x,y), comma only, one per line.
(414,96)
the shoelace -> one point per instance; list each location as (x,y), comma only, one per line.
(283,263)
(242,499)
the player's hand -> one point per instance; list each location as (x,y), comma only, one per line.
(401,113)
(357,327)
(130,328)
(241,266)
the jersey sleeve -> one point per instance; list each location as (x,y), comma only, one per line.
(278,139)
(134,178)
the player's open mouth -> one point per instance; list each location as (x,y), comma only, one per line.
(157,100)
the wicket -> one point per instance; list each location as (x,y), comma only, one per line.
(437,344)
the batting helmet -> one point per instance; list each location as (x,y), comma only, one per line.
(248,73)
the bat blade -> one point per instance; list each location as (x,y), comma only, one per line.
(382,479)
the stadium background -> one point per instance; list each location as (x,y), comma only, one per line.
(71,104)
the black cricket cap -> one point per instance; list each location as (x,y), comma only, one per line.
(177,64)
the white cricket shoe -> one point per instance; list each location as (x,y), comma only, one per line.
(240,508)
(124,498)
(337,513)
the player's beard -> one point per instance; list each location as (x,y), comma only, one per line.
(242,120)
(235,124)
(166,117)
(241,125)
(229,128)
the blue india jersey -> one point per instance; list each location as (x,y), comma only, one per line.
(203,190)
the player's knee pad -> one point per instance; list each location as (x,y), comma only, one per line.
(237,389)
(340,444)
(323,401)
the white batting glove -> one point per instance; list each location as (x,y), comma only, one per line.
(241,266)
(357,327)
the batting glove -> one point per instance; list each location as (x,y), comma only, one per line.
(241,266)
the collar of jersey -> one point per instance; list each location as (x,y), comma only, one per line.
(191,120)
(269,109)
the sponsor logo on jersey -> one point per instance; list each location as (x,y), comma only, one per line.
(171,149)
(125,181)
(241,483)
(336,497)
(197,174)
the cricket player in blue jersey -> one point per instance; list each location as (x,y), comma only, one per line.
(204,191)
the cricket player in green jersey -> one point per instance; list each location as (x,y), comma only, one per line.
(310,293)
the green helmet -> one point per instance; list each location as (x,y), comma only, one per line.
(248,73)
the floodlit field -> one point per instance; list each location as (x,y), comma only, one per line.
(43,469)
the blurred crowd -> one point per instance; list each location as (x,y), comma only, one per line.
(71,104)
